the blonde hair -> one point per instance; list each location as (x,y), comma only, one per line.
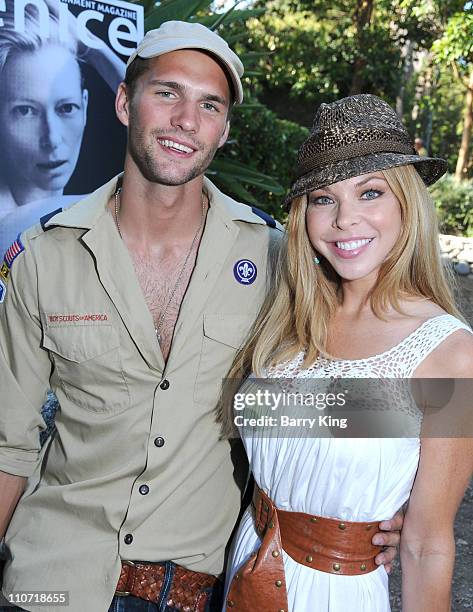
(298,310)
(34,37)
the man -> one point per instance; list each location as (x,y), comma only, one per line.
(131,305)
(420,147)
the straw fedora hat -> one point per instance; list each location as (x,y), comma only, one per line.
(354,136)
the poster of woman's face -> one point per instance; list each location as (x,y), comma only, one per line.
(42,119)
(59,138)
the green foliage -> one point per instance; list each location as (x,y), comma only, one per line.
(454,203)
(260,140)
(228,172)
(439,114)
(314,47)
(446,103)
(446,65)
(174,9)
(456,44)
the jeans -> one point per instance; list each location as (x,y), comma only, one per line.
(132,604)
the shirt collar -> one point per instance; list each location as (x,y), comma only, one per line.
(85,214)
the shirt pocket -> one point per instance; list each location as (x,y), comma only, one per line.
(88,365)
(223,335)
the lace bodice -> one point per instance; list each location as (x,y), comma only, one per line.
(400,361)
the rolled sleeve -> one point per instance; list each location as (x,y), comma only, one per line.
(24,370)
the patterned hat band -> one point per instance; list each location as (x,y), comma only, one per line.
(317,160)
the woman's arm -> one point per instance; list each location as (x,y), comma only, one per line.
(445,468)
(427,542)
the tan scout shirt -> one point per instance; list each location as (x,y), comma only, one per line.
(136,469)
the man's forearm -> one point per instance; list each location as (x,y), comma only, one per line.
(11,488)
(427,579)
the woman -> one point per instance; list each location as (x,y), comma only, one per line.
(43,113)
(361,294)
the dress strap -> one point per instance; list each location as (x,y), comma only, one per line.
(426,339)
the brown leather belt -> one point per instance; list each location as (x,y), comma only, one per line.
(328,545)
(189,591)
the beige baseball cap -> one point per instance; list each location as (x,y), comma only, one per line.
(175,35)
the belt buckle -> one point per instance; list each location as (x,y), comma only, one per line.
(125,593)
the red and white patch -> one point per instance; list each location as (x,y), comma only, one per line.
(13,252)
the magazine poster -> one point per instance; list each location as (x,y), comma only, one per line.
(60,65)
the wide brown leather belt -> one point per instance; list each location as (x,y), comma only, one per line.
(328,545)
(189,591)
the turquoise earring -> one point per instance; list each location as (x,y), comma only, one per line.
(316,260)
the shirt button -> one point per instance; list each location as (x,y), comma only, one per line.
(164,385)
(159,442)
(128,538)
(144,489)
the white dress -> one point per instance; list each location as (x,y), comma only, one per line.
(351,479)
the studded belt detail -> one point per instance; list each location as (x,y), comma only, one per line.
(324,544)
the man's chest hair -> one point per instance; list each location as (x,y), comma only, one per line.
(158,278)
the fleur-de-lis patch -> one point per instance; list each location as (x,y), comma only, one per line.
(245,271)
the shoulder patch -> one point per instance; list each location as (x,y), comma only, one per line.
(4,272)
(3,291)
(263,215)
(13,252)
(46,218)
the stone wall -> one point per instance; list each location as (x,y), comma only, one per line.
(459,251)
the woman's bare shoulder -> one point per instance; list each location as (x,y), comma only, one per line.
(421,308)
